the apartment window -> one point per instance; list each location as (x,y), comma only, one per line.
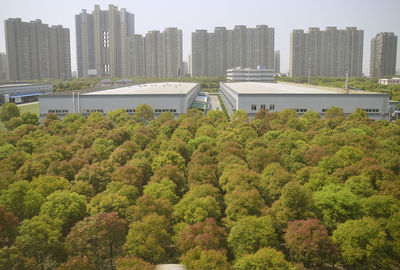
(262,106)
(324,110)
(129,110)
(272,107)
(172,110)
(254,107)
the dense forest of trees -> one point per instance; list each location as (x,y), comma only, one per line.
(129,192)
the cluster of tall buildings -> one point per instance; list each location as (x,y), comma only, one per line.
(329,53)
(37,51)
(107,46)
(213,53)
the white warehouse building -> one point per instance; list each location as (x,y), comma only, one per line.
(172,97)
(252,97)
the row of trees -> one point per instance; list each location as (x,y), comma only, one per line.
(276,192)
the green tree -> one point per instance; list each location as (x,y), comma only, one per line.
(106,203)
(41,239)
(250,234)
(241,203)
(336,205)
(30,118)
(69,207)
(334,112)
(8,227)
(165,189)
(168,157)
(118,116)
(31,169)
(196,206)
(99,238)
(363,244)
(198,259)
(22,200)
(146,205)
(8,111)
(205,235)
(77,263)
(264,259)
(308,242)
(133,263)
(144,114)
(149,239)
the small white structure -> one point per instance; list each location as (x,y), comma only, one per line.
(253,97)
(389,81)
(259,74)
(170,267)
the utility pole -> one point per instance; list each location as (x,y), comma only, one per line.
(347,82)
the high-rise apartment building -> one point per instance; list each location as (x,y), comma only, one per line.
(136,57)
(157,54)
(383,55)
(101,41)
(213,53)
(36,51)
(329,53)
(3,67)
(277,61)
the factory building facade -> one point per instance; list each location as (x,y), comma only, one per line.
(253,97)
(172,97)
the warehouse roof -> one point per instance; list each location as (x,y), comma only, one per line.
(286,88)
(149,89)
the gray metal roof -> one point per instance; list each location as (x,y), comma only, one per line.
(149,89)
(287,88)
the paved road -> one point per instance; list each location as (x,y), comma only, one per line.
(215,105)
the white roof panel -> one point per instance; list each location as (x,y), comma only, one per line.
(149,89)
(286,88)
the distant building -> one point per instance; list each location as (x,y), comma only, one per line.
(36,51)
(250,75)
(158,54)
(253,97)
(383,55)
(172,97)
(277,61)
(3,67)
(23,92)
(213,53)
(101,40)
(329,53)
(391,81)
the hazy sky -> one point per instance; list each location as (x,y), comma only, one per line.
(372,16)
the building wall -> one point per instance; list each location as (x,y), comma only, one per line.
(8,90)
(3,67)
(329,53)
(383,55)
(85,104)
(37,51)
(102,39)
(310,102)
(214,53)
(277,64)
